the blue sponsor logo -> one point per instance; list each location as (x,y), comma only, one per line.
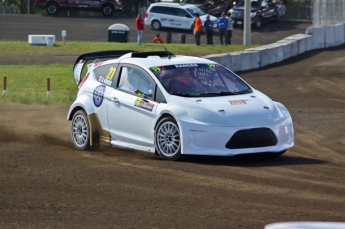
(98,95)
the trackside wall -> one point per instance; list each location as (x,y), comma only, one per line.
(253,58)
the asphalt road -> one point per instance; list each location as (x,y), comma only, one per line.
(18,27)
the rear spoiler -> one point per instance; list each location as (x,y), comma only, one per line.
(82,59)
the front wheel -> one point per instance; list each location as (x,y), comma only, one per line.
(80,131)
(156,25)
(108,10)
(167,139)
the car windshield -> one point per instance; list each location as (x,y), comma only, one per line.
(255,3)
(200,80)
(194,10)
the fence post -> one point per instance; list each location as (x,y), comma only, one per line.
(48,88)
(4,85)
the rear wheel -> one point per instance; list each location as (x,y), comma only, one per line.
(52,8)
(107,10)
(80,131)
(156,25)
(167,139)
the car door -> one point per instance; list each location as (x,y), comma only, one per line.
(131,109)
(170,17)
(183,19)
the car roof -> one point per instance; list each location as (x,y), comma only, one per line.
(169,4)
(152,61)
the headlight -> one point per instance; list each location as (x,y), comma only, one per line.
(252,14)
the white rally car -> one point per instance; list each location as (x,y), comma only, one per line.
(172,105)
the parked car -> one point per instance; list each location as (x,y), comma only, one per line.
(212,7)
(262,11)
(173,105)
(174,15)
(107,7)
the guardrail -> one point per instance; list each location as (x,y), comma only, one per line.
(253,58)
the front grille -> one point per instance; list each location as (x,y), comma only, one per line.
(252,138)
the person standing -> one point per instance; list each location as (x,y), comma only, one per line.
(197,28)
(223,23)
(208,25)
(140,28)
(281,13)
(230,28)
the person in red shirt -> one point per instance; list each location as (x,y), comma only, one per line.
(158,39)
(140,28)
(197,28)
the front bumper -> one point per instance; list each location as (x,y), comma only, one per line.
(219,140)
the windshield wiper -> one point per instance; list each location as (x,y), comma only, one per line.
(219,93)
(185,94)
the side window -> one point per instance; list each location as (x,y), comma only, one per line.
(105,74)
(170,11)
(136,81)
(182,13)
(157,9)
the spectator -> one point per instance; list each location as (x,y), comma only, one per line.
(281,13)
(197,28)
(223,23)
(230,28)
(157,39)
(140,28)
(208,25)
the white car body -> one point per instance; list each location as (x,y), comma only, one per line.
(222,125)
(182,18)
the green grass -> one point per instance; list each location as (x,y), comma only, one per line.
(27,84)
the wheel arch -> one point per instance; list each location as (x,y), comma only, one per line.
(52,1)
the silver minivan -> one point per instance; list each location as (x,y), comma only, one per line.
(174,15)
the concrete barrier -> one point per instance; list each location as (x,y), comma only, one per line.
(253,58)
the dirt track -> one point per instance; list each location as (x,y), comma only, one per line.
(46,183)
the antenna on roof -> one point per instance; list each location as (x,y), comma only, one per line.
(167,52)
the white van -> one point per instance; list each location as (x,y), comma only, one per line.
(174,15)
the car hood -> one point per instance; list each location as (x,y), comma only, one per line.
(238,110)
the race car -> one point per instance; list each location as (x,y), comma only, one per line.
(173,105)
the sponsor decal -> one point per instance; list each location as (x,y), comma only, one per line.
(98,95)
(111,73)
(83,81)
(185,65)
(237,102)
(144,104)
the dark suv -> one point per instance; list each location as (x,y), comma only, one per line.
(262,11)
(214,7)
(107,7)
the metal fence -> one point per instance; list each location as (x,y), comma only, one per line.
(328,12)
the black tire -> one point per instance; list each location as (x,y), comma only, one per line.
(258,23)
(80,131)
(52,8)
(167,139)
(156,25)
(107,10)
